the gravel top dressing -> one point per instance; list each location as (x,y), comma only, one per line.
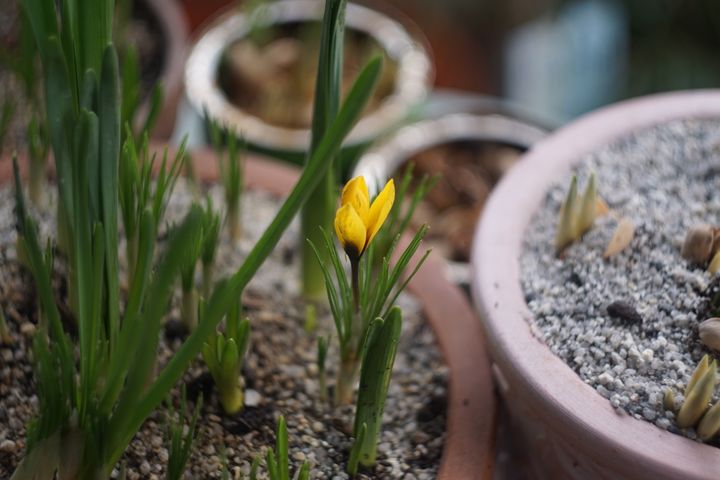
(280,372)
(665,179)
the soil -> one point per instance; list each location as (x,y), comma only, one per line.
(468,171)
(280,372)
(271,74)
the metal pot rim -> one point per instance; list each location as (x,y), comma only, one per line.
(412,82)
(378,164)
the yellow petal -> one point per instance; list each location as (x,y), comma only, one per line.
(356,194)
(350,230)
(380,209)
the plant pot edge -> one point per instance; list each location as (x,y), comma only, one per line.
(530,376)
(203,93)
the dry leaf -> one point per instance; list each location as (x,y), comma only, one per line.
(601,208)
(622,237)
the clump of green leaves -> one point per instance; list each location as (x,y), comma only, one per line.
(696,410)
(224,354)
(95,393)
(378,359)
(367,322)
(376,293)
(230,168)
(180,437)
(144,185)
(578,213)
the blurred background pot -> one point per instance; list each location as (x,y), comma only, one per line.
(170,21)
(242,58)
(562,426)
(469,153)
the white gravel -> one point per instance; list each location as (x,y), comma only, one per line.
(665,180)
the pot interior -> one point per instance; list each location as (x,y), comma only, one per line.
(270,73)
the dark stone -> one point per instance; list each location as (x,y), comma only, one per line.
(175,329)
(624,311)
(433,407)
(202,384)
(575,279)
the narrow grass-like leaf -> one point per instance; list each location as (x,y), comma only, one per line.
(381,347)
(282,450)
(354,460)
(109,117)
(224,296)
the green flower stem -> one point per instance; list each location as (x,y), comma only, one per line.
(189,308)
(208,274)
(381,346)
(234,221)
(313,285)
(350,362)
(321,360)
(355,279)
(347,376)
(318,211)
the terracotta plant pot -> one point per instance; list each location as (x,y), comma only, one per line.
(568,430)
(387,159)
(174,30)
(411,84)
(468,452)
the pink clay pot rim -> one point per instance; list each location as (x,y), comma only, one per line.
(469,449)
(529,371)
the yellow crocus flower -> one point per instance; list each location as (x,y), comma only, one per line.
(357,221)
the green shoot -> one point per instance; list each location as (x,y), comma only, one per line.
(208,249)
(189,307)
(696,410)
(578,213)
(230,168)
(38,148)
(138,191)
(5,337)
(380,348)
(354,459)
(321,361)
(180,439)
(224,354)
(277,460)
(318,211)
